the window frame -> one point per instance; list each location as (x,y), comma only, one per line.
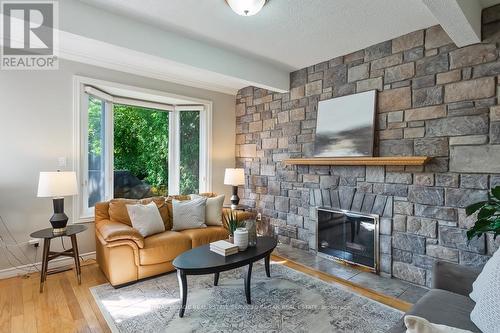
(81,212)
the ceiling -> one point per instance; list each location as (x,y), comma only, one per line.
(286,35)
(292,33)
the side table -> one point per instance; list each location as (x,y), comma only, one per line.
(47,235)
(243,208)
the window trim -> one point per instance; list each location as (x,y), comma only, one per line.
(80,159)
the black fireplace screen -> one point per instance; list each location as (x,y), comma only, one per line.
(348,236)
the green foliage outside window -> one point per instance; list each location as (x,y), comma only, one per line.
(141,145)
(94,118)
(190,152)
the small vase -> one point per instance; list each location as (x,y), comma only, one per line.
(241,238)
(231,239)
(251,226)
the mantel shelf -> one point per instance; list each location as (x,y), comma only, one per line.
(392,160)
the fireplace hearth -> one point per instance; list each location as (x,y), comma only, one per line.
(349,236)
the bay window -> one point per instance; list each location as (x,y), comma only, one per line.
(130,147)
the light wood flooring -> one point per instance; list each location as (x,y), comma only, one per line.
(65,306)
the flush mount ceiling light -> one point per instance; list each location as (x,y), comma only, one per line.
(246,7)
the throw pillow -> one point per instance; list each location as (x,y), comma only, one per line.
(146,219)
(486,312)
(416,324)
(118,210)
(213,210)
(168,201)
(189,214)
(481,283)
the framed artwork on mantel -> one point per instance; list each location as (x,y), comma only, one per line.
(346,126)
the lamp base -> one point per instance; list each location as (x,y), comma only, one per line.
(235,200)
(59,220)
(58,231)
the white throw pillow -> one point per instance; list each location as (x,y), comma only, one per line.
(416,324)
(481,283)
(189,214)
(146,218)
(213,210)
(486,313)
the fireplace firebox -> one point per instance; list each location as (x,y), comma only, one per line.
(349,236)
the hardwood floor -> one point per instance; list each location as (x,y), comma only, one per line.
(66,306)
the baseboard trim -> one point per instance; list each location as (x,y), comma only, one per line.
(56,263)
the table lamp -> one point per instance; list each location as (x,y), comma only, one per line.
(57,185)
(234,177)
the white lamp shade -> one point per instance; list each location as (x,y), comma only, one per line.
(246,7)
(57,184)
(234,177)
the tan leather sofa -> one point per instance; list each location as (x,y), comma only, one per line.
(125,256)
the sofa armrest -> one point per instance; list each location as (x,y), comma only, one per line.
(453,277)
(114,231)
(240,215)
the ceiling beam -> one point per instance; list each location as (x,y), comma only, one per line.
(461,19)
(184,60)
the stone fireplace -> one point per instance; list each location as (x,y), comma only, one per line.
(434,99)
(349,237)
(348,199)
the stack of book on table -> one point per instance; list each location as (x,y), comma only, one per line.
(224,248)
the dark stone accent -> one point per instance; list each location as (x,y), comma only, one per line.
(457,238)
(408,242)
(378,51)
(426,195)
(440,213)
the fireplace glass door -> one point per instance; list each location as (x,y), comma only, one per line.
(348,236)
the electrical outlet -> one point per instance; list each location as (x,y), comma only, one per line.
(61,162)
(259,216)
(35,242)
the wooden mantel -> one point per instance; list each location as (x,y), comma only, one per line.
(392,160)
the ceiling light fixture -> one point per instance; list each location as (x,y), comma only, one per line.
(246,7)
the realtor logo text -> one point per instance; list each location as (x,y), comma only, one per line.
(29,39)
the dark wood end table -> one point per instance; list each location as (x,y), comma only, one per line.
(47,235)
(243,208)
(202,261)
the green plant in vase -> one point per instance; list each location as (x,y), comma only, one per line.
(488,215)
(231,222)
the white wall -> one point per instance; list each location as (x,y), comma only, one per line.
(36,119)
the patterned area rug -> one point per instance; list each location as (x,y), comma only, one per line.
(289,301)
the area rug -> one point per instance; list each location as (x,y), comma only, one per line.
(289,301)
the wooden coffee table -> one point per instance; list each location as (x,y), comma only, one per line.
(201,261)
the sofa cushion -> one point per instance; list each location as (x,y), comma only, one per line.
(189,214)
(213,209)
(118,210)
(421,325)
(484,280)
(170,209)
(146,219)
(442,307)
(206,235)
(181,197)
(486,313)
(163,247)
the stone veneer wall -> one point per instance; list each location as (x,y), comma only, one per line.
(434,99)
